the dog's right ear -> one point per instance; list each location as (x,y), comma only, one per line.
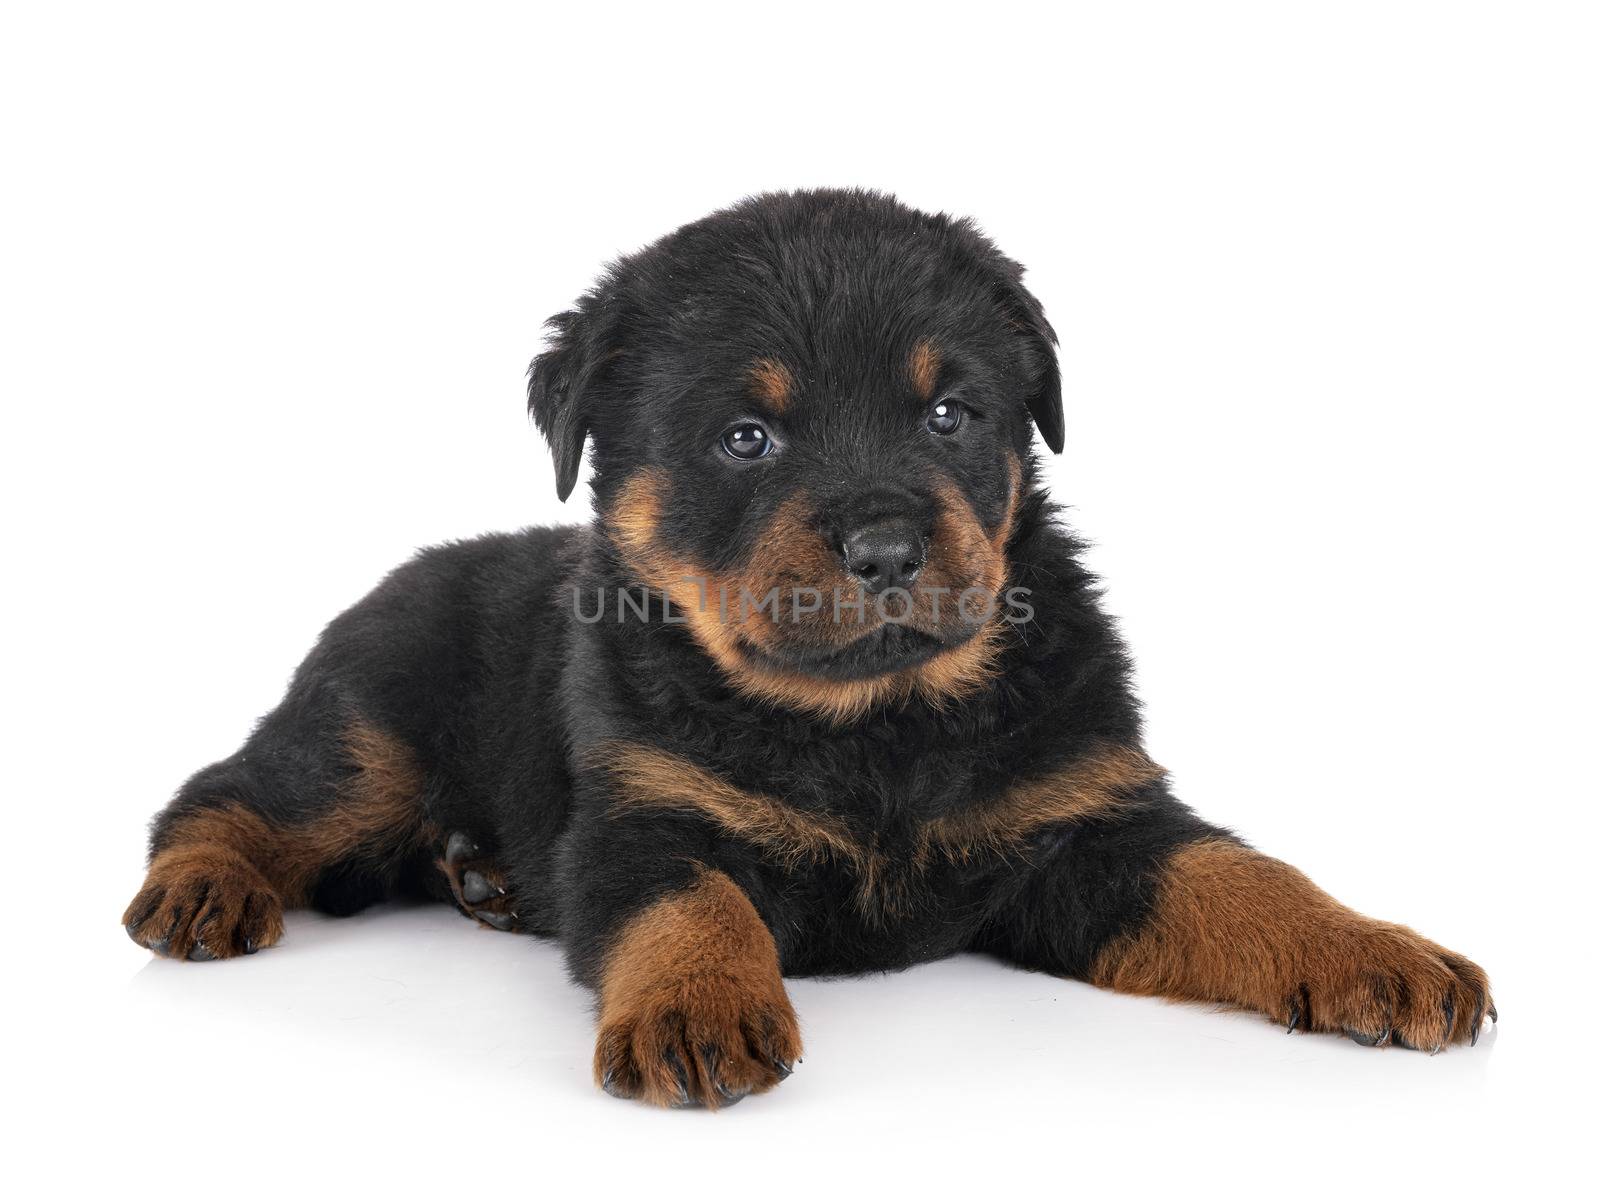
(563,380)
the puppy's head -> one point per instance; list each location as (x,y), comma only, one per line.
(811,417)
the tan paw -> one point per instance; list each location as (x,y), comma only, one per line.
(697,1042)
(692,1007)
(1382,984)
(203,901)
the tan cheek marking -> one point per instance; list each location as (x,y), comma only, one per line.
(635,518)
(960,545)
(962,554)
(633,521)
(636,515)
(963,549)
(791,554)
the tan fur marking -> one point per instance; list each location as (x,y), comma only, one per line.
(924,368)
(204,894)
(1232,925)
(636,515)
(960,542)
(1097,783)
(792,553)
(236,853)
(772,383)
(695,972)
(648,778)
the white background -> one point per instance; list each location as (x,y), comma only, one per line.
(1326,280)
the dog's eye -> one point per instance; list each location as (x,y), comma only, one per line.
(945,417)
(747,441)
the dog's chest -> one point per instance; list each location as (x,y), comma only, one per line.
(876,890)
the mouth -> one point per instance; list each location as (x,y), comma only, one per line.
(887,649)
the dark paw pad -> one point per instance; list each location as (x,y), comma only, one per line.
(476,885)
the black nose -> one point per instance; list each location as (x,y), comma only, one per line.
(886,554)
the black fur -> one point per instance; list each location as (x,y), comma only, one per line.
(471,655)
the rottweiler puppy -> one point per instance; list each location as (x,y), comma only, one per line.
(824,689)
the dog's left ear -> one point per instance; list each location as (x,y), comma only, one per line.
(563,380)
(1044,373)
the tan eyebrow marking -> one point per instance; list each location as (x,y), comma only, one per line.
(772,383)
(924,367)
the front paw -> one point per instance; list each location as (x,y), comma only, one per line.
(692,1005)
(697,1041)
(204,902)
(1383,984)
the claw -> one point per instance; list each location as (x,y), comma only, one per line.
(1449,1022)
(710,1057)
(681,1072)
(783,1067)
(163,945)
(1295,1016)
(1494,1015)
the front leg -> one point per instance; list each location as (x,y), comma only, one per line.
(692,1007)
(1156,903)
(692,1003)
